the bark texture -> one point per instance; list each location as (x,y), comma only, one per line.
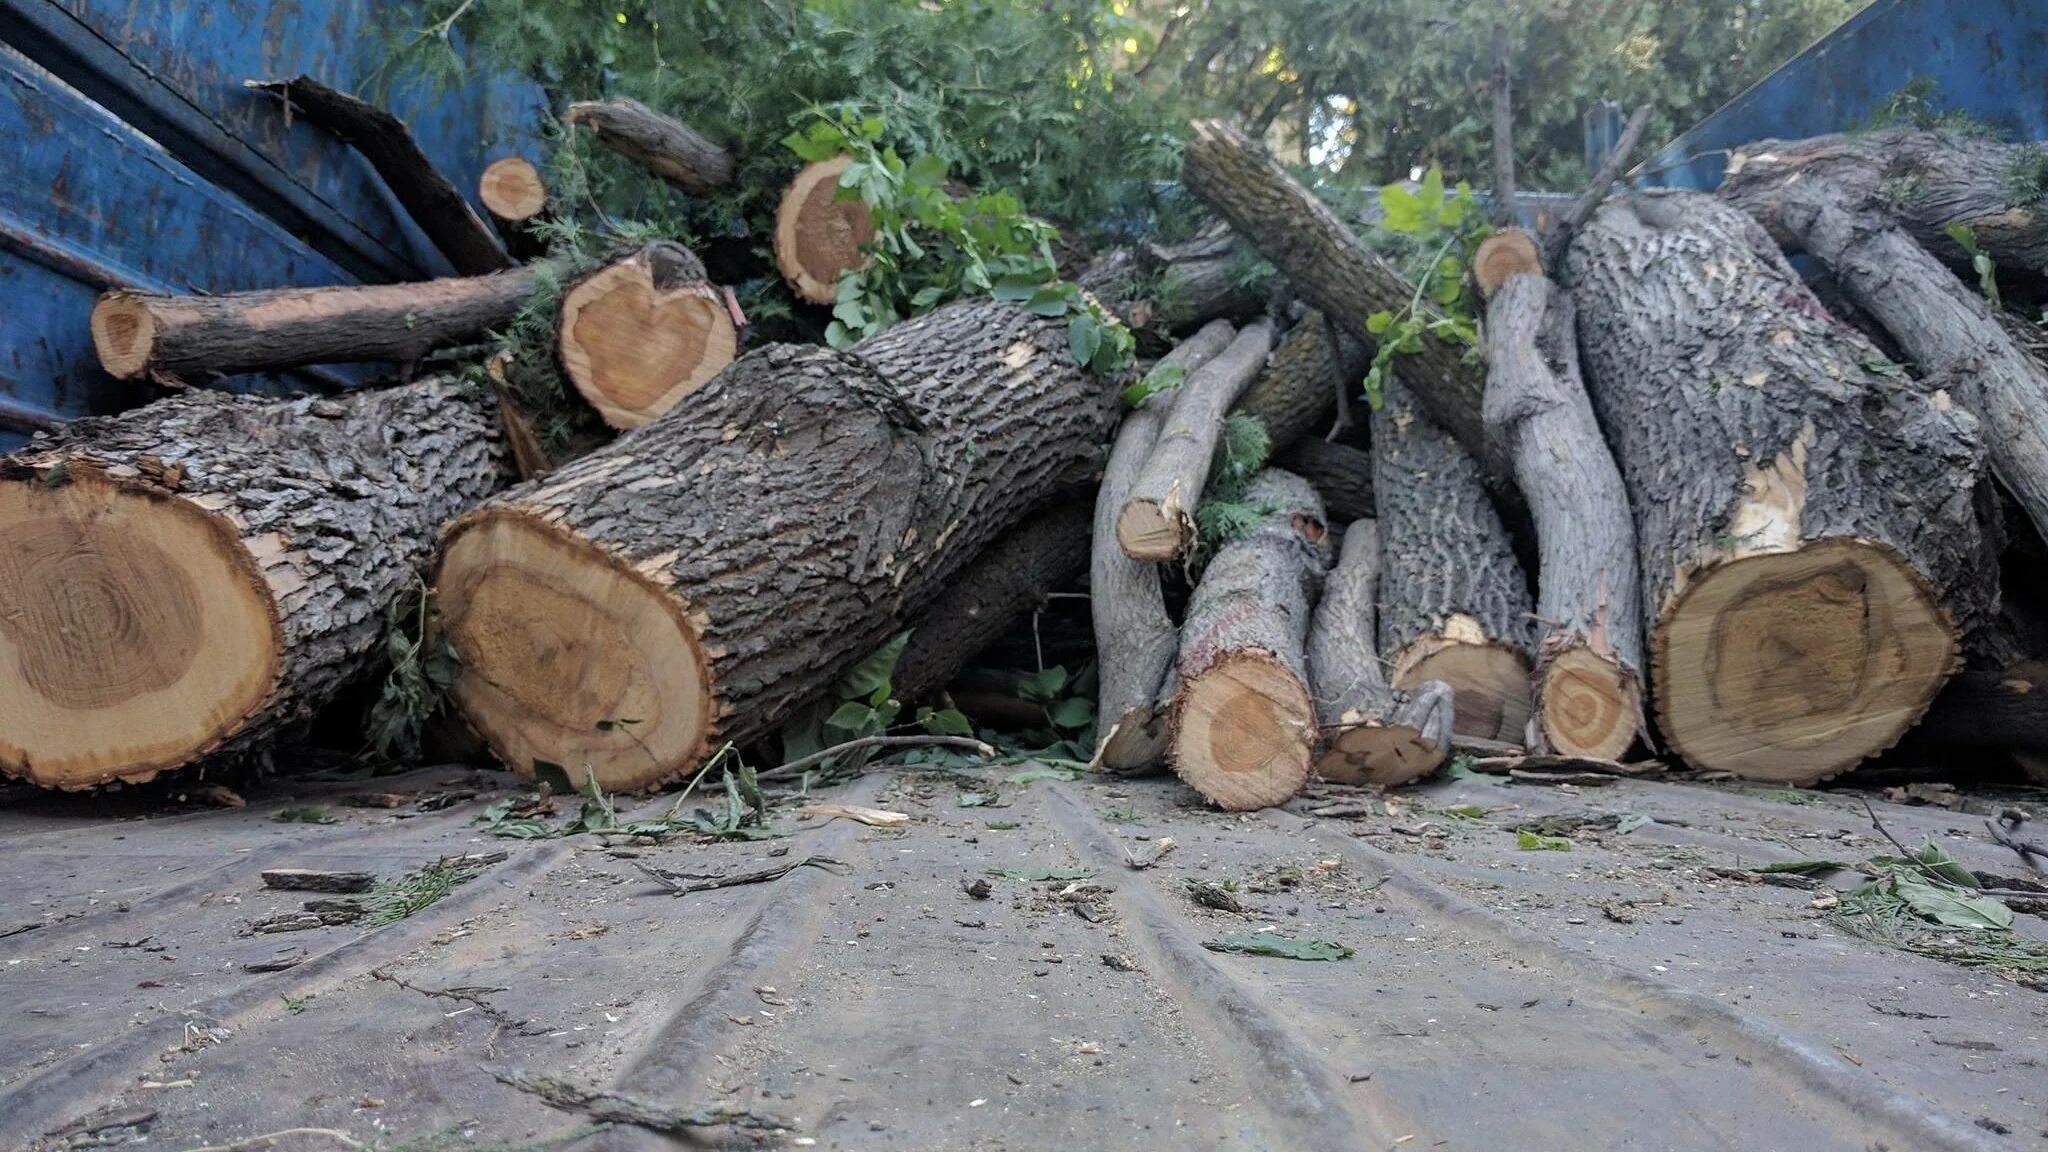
(665,146)
(1315,364)
(1165,290)
(707,573)
(1943,325)
(1005,584)
(191,576)
(1370,734)
(1799,513)
(1454,605)
(1336,273)
(429,197)
(1589,651)
(142,335)
(1243,724)
(1341,475)
(1157,519)
(1135,638)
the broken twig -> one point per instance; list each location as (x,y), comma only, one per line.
(794,769)
(682,884)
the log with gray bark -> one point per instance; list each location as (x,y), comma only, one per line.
(193,576)
(1157,519)
(1335,272)
(665,146)
(1243,726)
(1135,638)
(1370,733)
(143,335)
(1805,521)
(1454,605)
(429,197)
(1162,291)
(1586,685)
(705,574)
(1300,388)
(1830,202)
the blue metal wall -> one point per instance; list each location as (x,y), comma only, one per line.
(1987,58)
(134,157)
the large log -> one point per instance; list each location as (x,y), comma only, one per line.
(1825,208)
(1370,734)
(1454,605)
(1334,271)
(665,146)
(1243,727)
(818,236)
(1157,519)
(429,197)
(1930,181)
(141,335)
(1809,544)
(702,576)
(191,576)
(641,333)
(1135,638)
(1298,391)
(1589,654)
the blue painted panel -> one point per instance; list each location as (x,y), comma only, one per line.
(1987,58)
(86,203)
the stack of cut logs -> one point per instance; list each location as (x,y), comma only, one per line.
(1671,496)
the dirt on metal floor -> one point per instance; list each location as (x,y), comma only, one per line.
(1639,991)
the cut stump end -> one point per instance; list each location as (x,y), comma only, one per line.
(634,346)
(819,237)
(1508,252)
(1136,741)
(1148,530)
(1243,734)
(123,334)
(511,188)
(570,657)
(1379,754)
(1489,682)
(1590,706)
(138,633)
(1792,667)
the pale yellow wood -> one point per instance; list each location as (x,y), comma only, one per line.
(1490,682)
(511,188)
(818,237)
(634,350)
(1591,707)
(1245,733)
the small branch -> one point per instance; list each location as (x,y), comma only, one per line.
(2026,849)
(1575,218)
(1879,825)
(795,768)
(682,884)
(615,1108)
(1503,131)
(270,1139)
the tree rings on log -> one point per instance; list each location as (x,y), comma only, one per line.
(512,190)
(1586,704)
(638,335)
(1508,252)
(818,236)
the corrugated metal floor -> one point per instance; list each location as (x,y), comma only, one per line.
(1493,1002)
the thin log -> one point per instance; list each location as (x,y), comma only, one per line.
(1809,542)
(198,575)
(1559,239)
(1503,130)
(1157,520)
(1589,654)
(429,197)
(1243,726)
(1297,391)
(1340,474)
(662,144)
(818,236)
(1370,734)
(515,194)
(1135,638)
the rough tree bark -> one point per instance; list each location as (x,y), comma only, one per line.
(1157,519)
(665,146)
(641,333)
(1454,605)
(513,191)
(1943,325)
(1298,390)
(189,577)
(1809,544)
(1340,474)
(1135,638)
(142,335)
(1336,273)
(1586,691)
(1243,726)
(703,575)
(819,237)
(430,198)
(1370,734)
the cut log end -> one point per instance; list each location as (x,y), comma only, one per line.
(512,189)
(1379,754)
(634,346)
(123,334)
(1135,742)
(1588,705)
(1149,530)
(139,632)
(569,657)
(1489,681)
(1793,667)
(1508,252)
(818,237)
(1243,733)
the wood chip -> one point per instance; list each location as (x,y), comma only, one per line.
(872,817)
(317,880)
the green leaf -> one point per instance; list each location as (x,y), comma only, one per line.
(851,716)
(1044,685)
(1378,323)
(1531,842)
(1050,300)
(864,678)
(927,171)
(1084,337)
(1965,237)
(1805,867)
(1015,289)
(948,722)
(1274,944)
(1948,906)
(1631,822)
(1432,194)
(1072,713)
(976,799)
(1400,210)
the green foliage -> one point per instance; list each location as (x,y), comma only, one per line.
(1916,105)
(1162,378)
(858,705)
(2026,179)
(1224,514)
(394,900)
(1274,944)
(1980,261)
(1930,904)
(423,666)
(1527,841)
(1443,228)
